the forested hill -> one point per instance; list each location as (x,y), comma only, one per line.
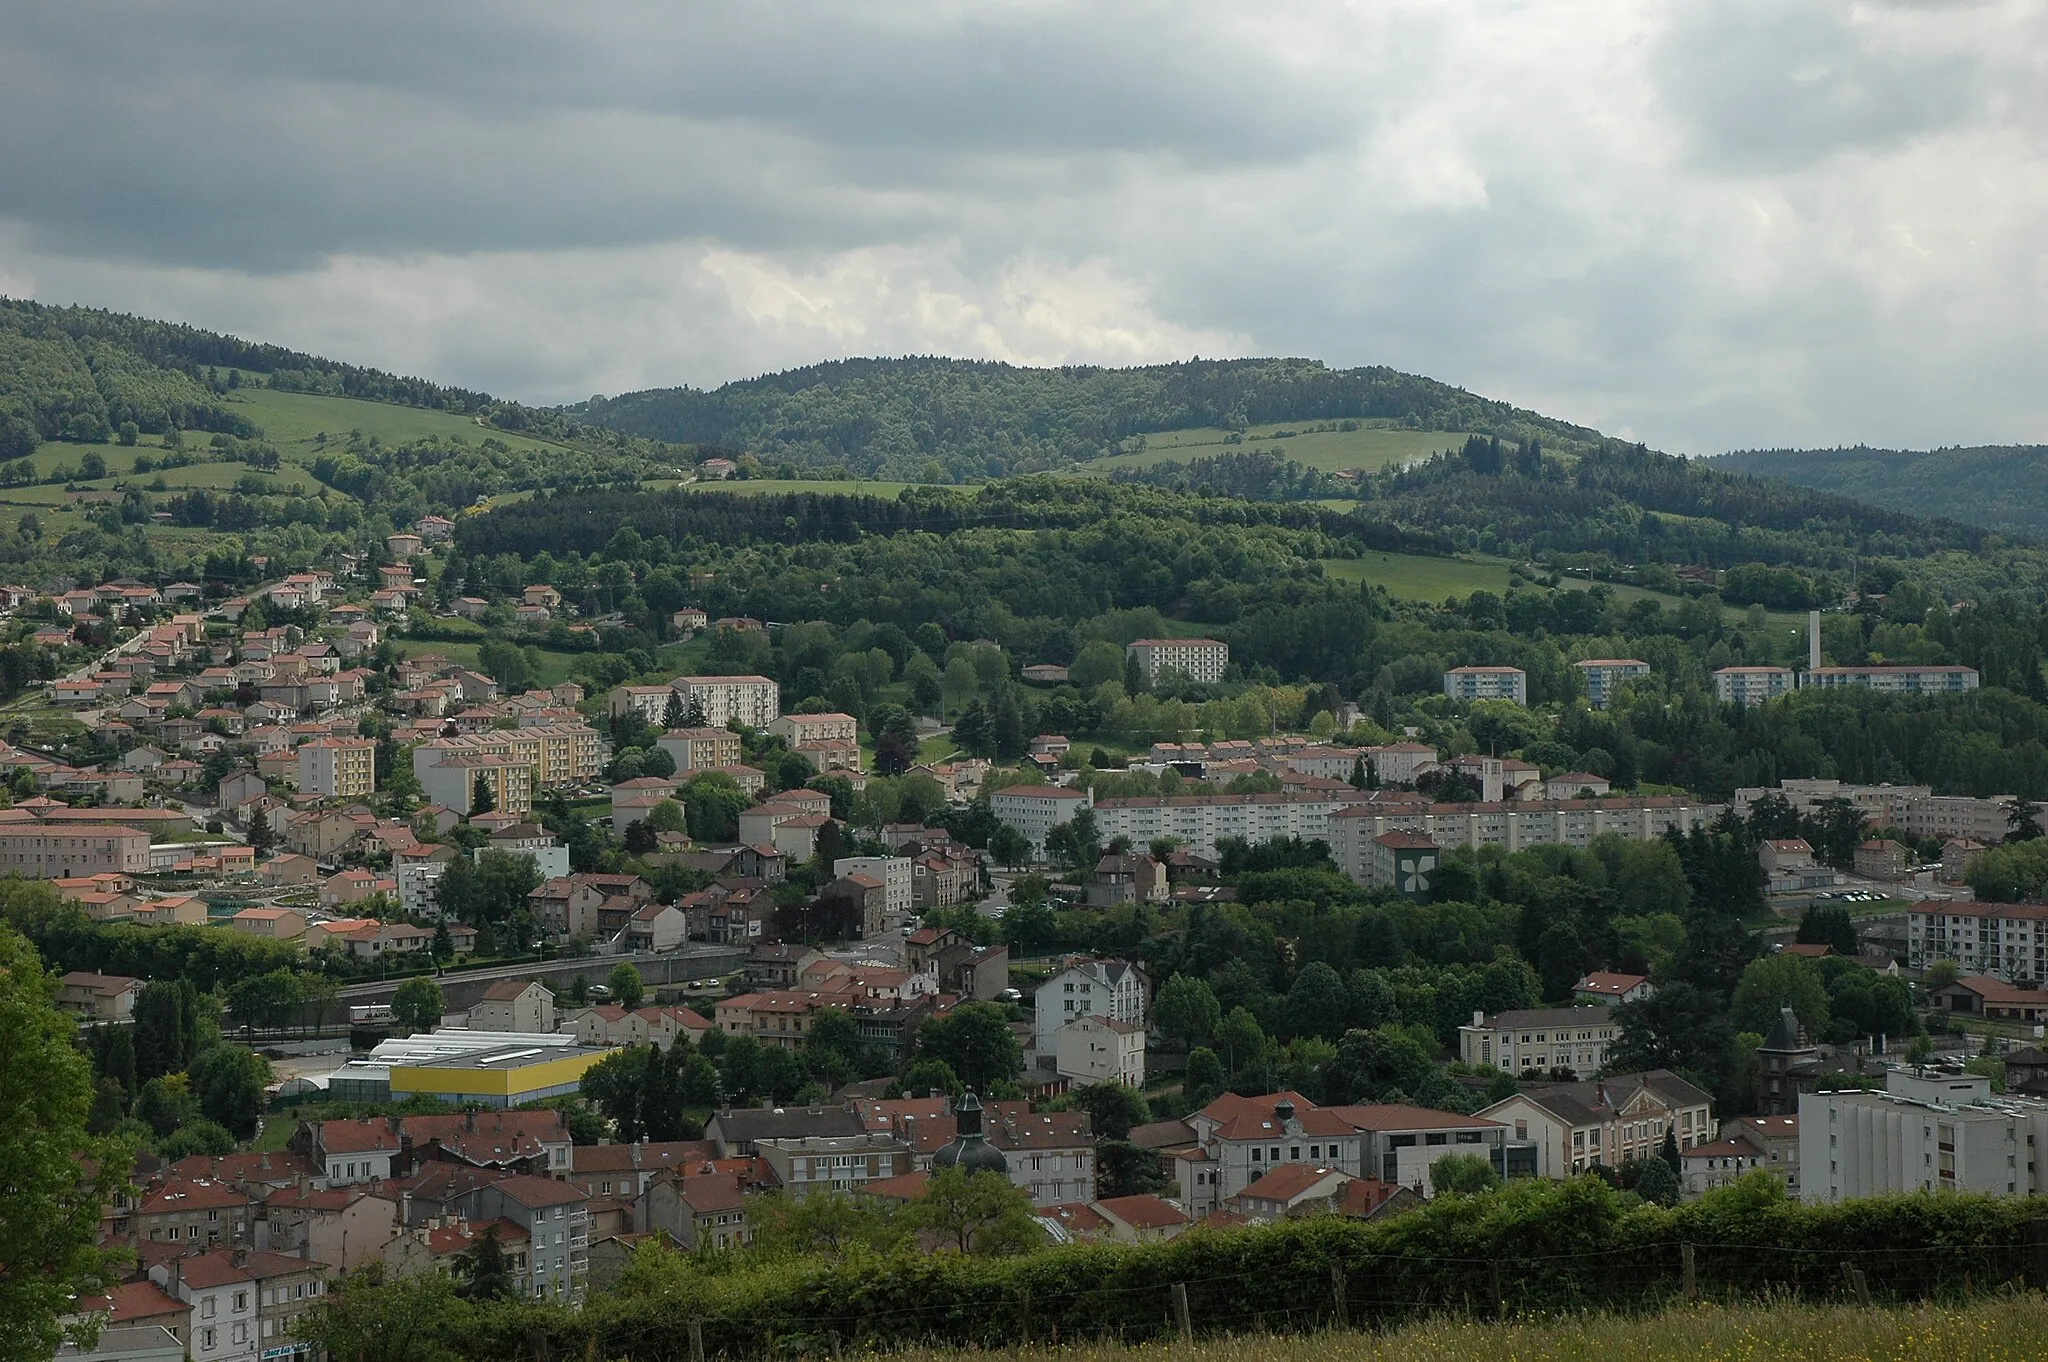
(2001,487)
(931,418)
(78,374)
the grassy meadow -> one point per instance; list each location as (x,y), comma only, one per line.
(1998,1329)
(1367,447)
(1411,576)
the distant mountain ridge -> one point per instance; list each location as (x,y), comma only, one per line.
(1998,487)
(912,417)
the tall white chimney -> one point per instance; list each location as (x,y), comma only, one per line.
(1813,640)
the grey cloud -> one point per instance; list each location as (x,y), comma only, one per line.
(270,136)
(1765,86)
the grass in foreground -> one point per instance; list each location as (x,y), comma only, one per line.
(1986,1331)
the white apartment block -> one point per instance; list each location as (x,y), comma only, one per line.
(1894,680)
(1199,822)
(893,871)
(701,749)
(796,729)
(1487,683)
(1198,659)
(1089,988)
(450,778)
(1603,674)
(338,768)
(1537,1040)
(1035,810)
(1923,1133)
(2005,940)
(1570,822)
(754,701)
(1751,686)
(1913,809)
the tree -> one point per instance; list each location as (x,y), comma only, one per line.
(412,1319)
(166,1103)
(712,802)
(265,1000)
(626,987)
(1826,925)
(2023,821)
(1462,1175)
(833,1048)
(481,797)
(974,1040)
(418,1004)
(1126,1169)
(925,1076)
(1657,1183)
(1186,1009)
(1668,1151)
(1007,846)
(1775,982)
(1205,1079)
(57,1176)
(162,1044)
(1075,843)
(982,1214)
(1240,1042)
(1316,1003)
(229,1082)
(1113,1108)
(443,948)
(615,1085)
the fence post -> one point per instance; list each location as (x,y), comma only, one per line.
(2037,1252)
(1493,1286)
(1026,1326)
(1857,1283)
(1337,1290)
(1692,1282)
(1180,1312)
(696,1340)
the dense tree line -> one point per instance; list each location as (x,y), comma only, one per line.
(964,419)
(2001,487)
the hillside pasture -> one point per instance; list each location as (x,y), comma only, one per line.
(1415,577)
(1332,451)
(293,421)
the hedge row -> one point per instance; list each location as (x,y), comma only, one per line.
(1538,1248)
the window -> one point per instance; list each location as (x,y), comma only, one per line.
(241,1301)
(206,1308)
(206,1338)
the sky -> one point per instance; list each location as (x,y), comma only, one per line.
(1705,224)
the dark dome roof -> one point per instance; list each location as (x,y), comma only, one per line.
(970,1149)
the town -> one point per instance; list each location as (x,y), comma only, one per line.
(502,980)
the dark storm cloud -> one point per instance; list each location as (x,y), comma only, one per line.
(270,136)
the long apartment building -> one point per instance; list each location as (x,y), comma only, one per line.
(1199,822)
(1570,822)
(451,776)
(1198,659)
(755,701)
(1752,686)
(1929,680)
(559,754)
(42,851)
(701,749)
(1913,809)
(2005,940)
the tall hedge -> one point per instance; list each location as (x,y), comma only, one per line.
(1532,1247)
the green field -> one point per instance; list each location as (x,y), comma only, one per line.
(554,666)
(293,420)
(1414,577)
(1329,450)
